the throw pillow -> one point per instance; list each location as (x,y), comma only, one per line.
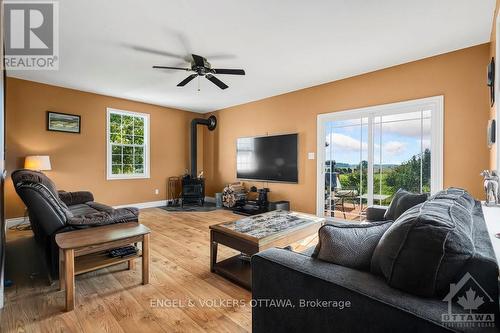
(424,250)
(349,244)
(401,202)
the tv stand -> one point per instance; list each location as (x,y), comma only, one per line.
(253,208)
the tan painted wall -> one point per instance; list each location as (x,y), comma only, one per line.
(459,76)
(79,160)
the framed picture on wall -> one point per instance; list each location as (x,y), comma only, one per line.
(63,122)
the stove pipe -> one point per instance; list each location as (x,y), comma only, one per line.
(211,123)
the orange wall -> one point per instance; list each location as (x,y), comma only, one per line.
(459,76)
(79,160)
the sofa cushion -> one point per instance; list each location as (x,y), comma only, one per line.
(120,215)
(349,244)
(101,207)
(82,209)
(426,247)
(401,202)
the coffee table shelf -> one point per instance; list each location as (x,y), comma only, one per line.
(94,261)
(236,270)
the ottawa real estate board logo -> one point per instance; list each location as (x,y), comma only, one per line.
(31,31)
(469,305)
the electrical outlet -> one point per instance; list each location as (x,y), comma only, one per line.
(310,156)
(157,191)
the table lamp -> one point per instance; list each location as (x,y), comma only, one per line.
(37,162)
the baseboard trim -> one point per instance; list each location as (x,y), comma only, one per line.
(141,205)
(9,223)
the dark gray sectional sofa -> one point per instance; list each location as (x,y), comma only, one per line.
(401,295)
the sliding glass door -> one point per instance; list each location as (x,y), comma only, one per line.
(345,166)
(366,155)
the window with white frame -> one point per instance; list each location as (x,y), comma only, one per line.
(365,155)
(127,144)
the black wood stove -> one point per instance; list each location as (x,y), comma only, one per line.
(193,188)
(193,191)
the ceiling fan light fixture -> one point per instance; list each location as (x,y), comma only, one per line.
(202,67)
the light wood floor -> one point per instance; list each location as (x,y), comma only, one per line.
(183,295)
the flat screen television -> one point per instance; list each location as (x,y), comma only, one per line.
(267,158)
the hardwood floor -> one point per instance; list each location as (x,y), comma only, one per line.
(183,296)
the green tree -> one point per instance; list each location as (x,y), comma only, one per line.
(353,179)
(407,175)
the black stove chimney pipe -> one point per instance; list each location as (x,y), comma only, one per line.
(211,123)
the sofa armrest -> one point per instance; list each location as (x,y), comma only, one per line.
(295,279)
(375,213)
(75,198)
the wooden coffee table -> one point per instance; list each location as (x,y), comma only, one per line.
(82,251)
(256,233)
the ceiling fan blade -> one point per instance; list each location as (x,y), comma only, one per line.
(216,81)
(198,60)
(154,51)
(228,71)
(168,67)
(187,80)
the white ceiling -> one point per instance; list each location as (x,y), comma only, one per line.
(283,45)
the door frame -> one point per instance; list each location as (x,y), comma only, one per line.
(437,134)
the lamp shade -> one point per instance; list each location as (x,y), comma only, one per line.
(37,162)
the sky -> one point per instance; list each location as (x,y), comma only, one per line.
(396,139)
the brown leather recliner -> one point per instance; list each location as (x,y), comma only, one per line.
(51,212)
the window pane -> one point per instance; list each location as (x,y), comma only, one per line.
(116,159)
(139,151)
(128,169)
(348,122)
(115,119)
(116,169)
(402,116)
(128,125)
(401,151)
(138,159)
(138,140)
(115,128)
(139,168)
(128,159)
(116,149)
(115,138)
(346,152)
(128,150)
(128,139)
(139,126)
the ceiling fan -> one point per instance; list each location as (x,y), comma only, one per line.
(201,67)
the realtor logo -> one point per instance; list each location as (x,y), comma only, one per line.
(471,298)
(31,35)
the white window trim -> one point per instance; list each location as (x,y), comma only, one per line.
(109,175)
(437,133)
